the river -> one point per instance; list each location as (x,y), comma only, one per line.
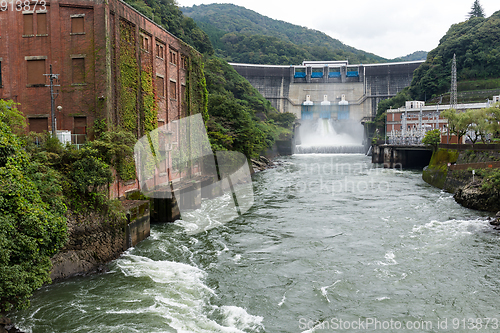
(331,241)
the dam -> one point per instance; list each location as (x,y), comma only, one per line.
(331,99)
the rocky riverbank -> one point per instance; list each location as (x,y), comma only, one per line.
(6,326)
(262,163)
(452,171)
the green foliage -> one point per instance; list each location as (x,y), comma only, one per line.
(12,117)
(32,226)
(237,119)
(235,31)
(150,106)
(285,120)
(196,88)
(457,122)
(100,126)
(491,181)
(90,172)
(417,55)
(477,50)
(167,14)
(475,123)
(129,72)
(482,84)
(432,138)
(116,149)
(240,118)
(476,10)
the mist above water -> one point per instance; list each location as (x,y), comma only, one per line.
(329,136)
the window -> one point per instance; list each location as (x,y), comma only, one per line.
(78,66)
(28,25)
(38,125)
(160,86)
(41,24)
(183,62)
(80,125)
(160,50)
(145,42)
(173,57)
(36,69)
(78,24)
(173,89)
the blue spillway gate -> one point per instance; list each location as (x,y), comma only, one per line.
(334,74)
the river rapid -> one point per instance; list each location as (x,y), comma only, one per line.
(331,241)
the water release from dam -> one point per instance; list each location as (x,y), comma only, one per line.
(329,238)
(329,136)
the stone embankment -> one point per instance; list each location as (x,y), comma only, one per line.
(465,173)
(95,239)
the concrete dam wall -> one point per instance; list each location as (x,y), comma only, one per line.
(331,89)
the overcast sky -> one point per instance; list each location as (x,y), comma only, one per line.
(388,28)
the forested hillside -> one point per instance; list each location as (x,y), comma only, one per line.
(240,118)
(417,55)
(240,34)
(167,14)
(475,43)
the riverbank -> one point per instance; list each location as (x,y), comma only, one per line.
(261,164)
(471,175)
(256,274)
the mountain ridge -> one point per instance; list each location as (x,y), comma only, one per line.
(219,20)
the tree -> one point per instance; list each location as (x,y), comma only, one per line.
(31,230)
(457,122)
(476,10)
(477,123)
(432,138)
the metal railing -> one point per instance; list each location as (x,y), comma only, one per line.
(411,137)
(78,140)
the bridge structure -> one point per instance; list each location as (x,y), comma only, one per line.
(329,89)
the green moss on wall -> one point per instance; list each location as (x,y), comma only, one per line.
(196,97)
(437,171)
(149,100)
(129,72)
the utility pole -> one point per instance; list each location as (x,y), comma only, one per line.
(453,93)
(53,97)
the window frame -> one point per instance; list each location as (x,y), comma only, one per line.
(162,94)
(84,82)
(35,58)
(42,12)
(77,16)
(173,84)
(32,15)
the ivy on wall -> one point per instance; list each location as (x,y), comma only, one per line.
(149,99)
(196,87)
(129,72)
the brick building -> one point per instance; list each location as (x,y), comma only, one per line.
(113,64)
(408,124)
